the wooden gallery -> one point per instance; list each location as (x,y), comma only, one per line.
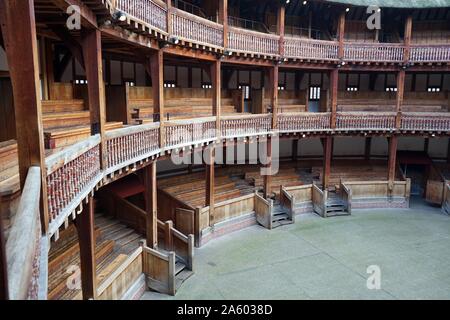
(97,97)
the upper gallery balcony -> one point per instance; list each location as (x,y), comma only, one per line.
(312,31)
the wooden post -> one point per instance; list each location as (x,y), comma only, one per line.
(327,144)
(151,208)
(367,148)
(223,19)
(400,95)
(392,158)
(341,34)
(169,16)
(426,145)
(210,187)
(268,177)
(448,151)
(86,238)
(215,75)
(280,27)
(407,38)
(334,86)
(168,240)
(157,75)
(4,294)
(18,27)
(273,82)
(92,53)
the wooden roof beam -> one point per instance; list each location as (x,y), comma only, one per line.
(88,17)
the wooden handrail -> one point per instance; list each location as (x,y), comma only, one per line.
(24,237)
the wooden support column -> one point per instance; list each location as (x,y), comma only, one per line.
(157,75)
(86,238)
(341,34)
(327,144)
(92,54)
(18,27)
(151,207)
(392,163)
(400,95)
(4,295)
(448,151)
(268,177)
(281,26)
(215,75)
(273,82)
(169,16)
(367,148)
(334,87)
(426,145)
(210,187)
(223,19)
(49,66)
(407,38)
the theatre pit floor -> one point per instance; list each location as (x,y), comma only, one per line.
(320,258)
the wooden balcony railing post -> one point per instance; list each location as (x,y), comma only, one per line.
(151,207)
(86,238)
(341,34)
(267,178)
(92,54)
(223,19)
(156,70)
(400,95)
(281,27)
(169,17)
(20,41)
(327,144)
(215,75)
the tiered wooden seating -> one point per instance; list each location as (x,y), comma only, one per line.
(289,101)
(190,188)
(430,32)
(115,242)
(386,102)
(356,170)
(357,31)
(9,181)
(287,177)
(65,117)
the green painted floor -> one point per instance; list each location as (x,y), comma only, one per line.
(328,258)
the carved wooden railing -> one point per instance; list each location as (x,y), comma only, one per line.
(373,52)
(365,120)
(197,29)
(125,145)
(22,247)
(430,53)
(151,12)
(180,133)
(303,122)
(253,42)
(246,125)
(71,176)
(419,121)
(311,49)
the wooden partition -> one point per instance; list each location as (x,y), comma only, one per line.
(159,269)
(232,208)
(168,207)
(117,104)
(288,201)
(446,205)
(263,210)
(319,199)
(436,186)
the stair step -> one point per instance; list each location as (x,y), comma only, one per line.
(280,223)
(179,266)
(279,217)
(182,277)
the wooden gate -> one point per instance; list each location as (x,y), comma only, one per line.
(184,221)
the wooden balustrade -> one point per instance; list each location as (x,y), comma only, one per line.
(418,121)
(311,49)
(179,133)
(71,175)
(430,53)
(246,125)
(125,145)
(373,52)
(194,28)
(151,12)
(303,122)
(365,121)
(22,247)
(253,42)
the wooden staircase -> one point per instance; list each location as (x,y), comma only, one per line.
(280,216)
(335,205)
